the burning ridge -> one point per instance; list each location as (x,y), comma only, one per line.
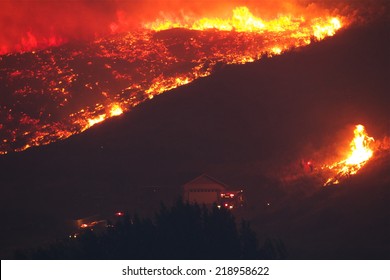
(51,94)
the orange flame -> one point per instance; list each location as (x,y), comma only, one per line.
(243,20)
(116,110)
(359,155)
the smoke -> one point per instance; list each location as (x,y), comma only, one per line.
(32,24)
(29,24)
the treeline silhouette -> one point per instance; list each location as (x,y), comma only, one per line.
(184,231)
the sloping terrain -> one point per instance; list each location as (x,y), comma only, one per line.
(243,125)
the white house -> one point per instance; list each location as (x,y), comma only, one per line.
(203,190)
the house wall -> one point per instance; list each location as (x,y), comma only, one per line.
(203,196)
(203,192)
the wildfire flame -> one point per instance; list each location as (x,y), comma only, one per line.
(113,74)
(359,154)
(243,20)
(116,110)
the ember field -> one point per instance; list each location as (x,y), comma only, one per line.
(51,94)
(249,125)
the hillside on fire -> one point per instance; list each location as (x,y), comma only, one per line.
(269,127)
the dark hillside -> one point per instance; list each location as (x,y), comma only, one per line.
(240,124)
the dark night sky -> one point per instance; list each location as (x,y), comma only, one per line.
(240,125)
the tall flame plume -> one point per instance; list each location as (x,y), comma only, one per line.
(359,155)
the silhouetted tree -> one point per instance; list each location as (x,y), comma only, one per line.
(184,231)
(249,244)
(273,249)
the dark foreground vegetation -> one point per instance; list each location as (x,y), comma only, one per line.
(182,232)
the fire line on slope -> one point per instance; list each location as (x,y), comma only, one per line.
(51,94)
(358,156)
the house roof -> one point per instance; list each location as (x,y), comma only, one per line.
(205,179)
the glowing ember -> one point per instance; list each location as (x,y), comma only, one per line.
(359,155)
(51,94)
